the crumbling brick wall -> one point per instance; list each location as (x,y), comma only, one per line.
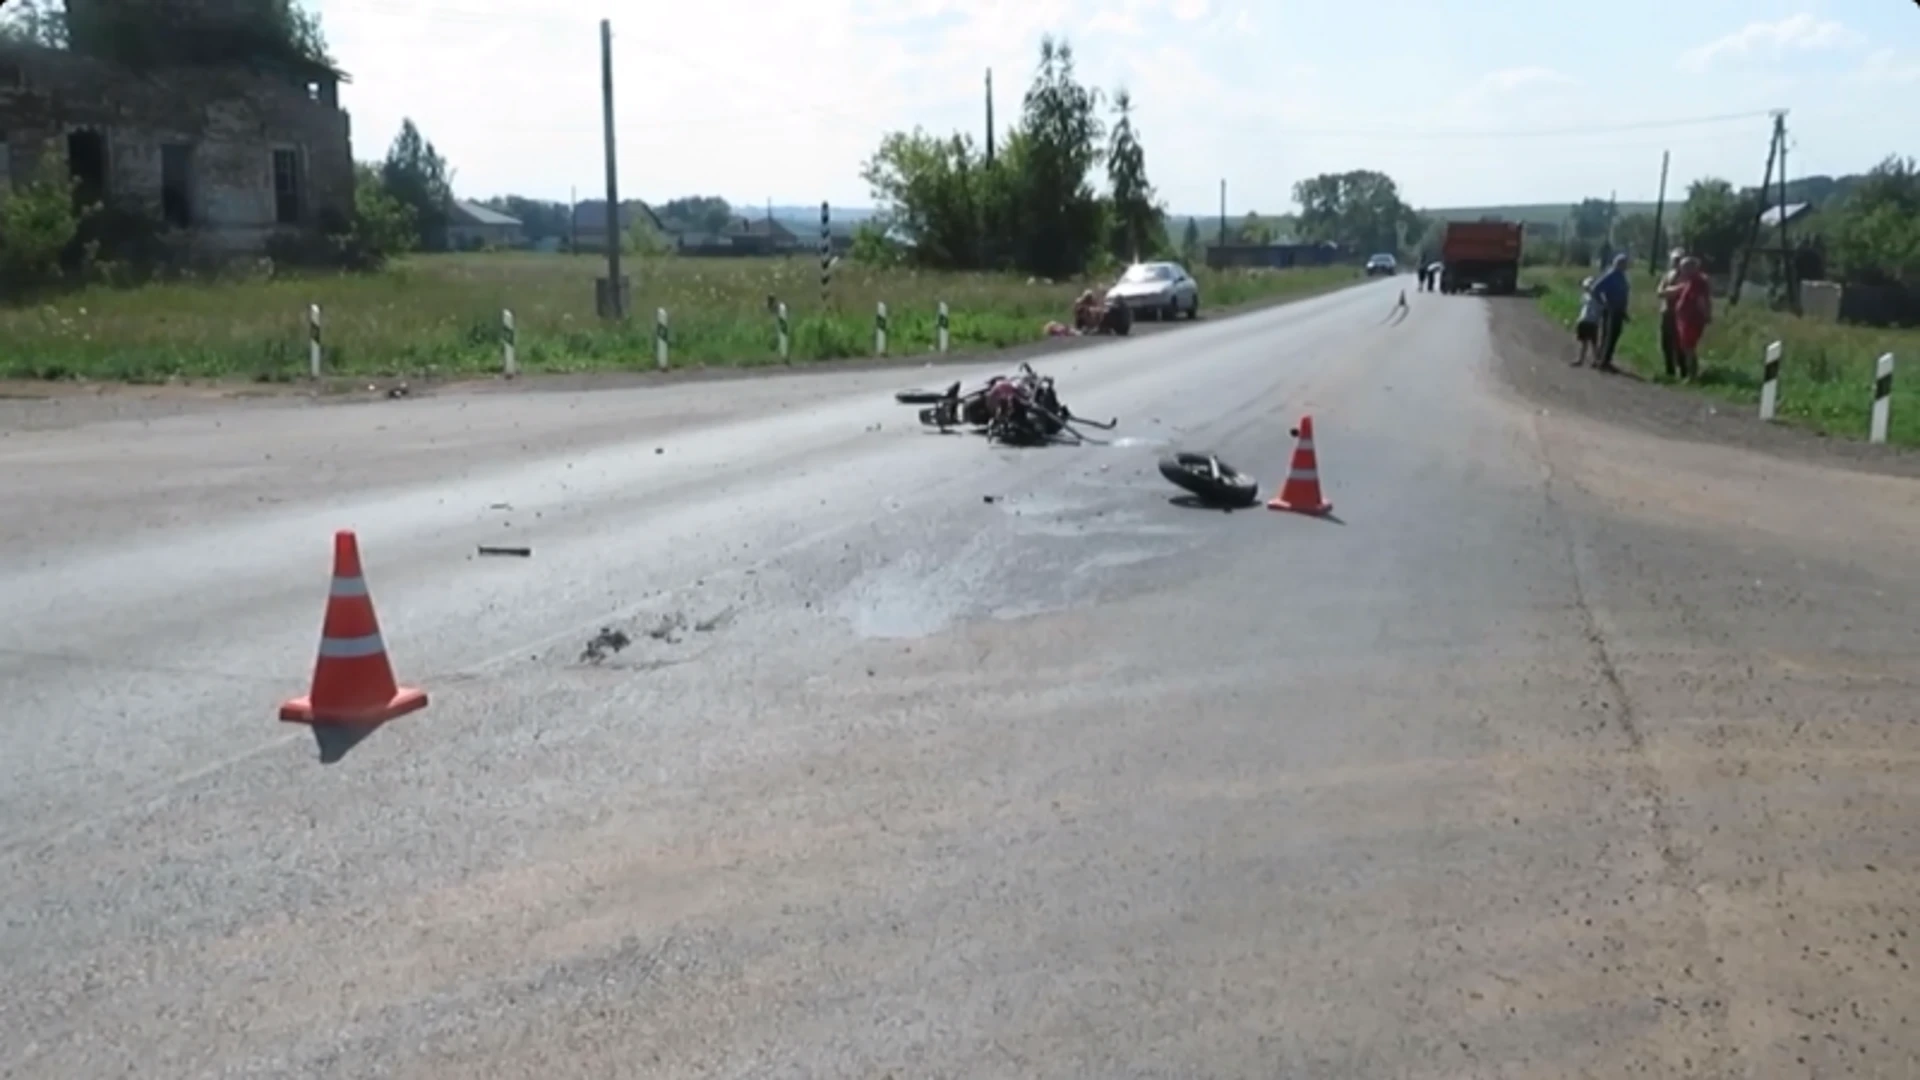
(233,121)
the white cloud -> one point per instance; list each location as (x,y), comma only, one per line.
(1886,67)
(749,99)
(1795,33)
(1509,97)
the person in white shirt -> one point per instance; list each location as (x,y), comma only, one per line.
(1586,330)
(1669,335)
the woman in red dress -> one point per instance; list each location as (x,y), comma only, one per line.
(1692,296)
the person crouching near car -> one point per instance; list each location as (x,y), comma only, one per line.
(1086,313)
(1586,329)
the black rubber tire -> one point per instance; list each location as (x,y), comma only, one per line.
(1192,473)
(920,397)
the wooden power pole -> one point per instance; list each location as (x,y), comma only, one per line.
(1659,214)
(1766,184)
(616,303)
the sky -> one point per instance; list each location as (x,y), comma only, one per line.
(1462,102)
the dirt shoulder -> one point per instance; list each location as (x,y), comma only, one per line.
(1532,357)
(43,406)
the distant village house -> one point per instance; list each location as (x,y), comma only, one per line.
(474,227)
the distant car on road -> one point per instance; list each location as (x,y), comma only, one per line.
(1382,265)
(1163,289)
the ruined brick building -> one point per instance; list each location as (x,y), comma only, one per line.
(226,143)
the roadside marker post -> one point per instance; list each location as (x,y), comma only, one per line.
(880,329)
(313,340)
(1882,398)
(509,343)
(660,338)
(783,331)
(1770,381)
(941,333)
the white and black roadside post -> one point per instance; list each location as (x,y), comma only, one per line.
(941,336)
(826,253)
(313,340)
(1882,398)
(783,332)
(1770,381)
(660,338)
(509,344)
(880,329)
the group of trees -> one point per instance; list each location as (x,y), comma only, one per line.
(1864,229)
(1033,205)
(1030,203)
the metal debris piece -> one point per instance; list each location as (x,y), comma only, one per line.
(489,549)
(604,644)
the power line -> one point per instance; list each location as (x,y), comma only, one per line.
(1412,134)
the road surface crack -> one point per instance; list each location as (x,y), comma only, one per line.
(1599,638)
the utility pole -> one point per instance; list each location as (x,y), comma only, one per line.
(573,220)
(1223,212)
(989,117)
(616,303)
(1659,214)
(1766,183)
(1789,285)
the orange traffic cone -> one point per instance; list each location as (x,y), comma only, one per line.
(1301,492)
(352,681)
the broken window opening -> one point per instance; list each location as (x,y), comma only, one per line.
(87,165)
(287,208)
(176,185)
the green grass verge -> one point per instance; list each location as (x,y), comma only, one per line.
(1826,372)
(440,316)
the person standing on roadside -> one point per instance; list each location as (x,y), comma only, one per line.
(1669,340)
(1586,329)
(1691,299)
(1611,289)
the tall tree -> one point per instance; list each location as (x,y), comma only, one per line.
(1716,222)
(1060,119)
(1138,229)
(1190,244)
(1033,206)
(1873,234)
(1591,219)
(417,176)
(1360,210)
(703,213)
(34,22)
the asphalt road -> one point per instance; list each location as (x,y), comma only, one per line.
(1565,752)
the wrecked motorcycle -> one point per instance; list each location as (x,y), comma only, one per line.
(1019,410)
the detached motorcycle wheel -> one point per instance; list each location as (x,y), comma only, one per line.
(1194,473)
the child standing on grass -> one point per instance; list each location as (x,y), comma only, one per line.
(1586,330)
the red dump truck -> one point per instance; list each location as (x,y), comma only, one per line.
(1484,253)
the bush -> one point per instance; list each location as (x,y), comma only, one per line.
(38,226)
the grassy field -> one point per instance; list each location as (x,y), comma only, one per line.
(1826,371)
(440,316)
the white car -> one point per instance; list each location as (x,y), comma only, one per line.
(1165,289)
